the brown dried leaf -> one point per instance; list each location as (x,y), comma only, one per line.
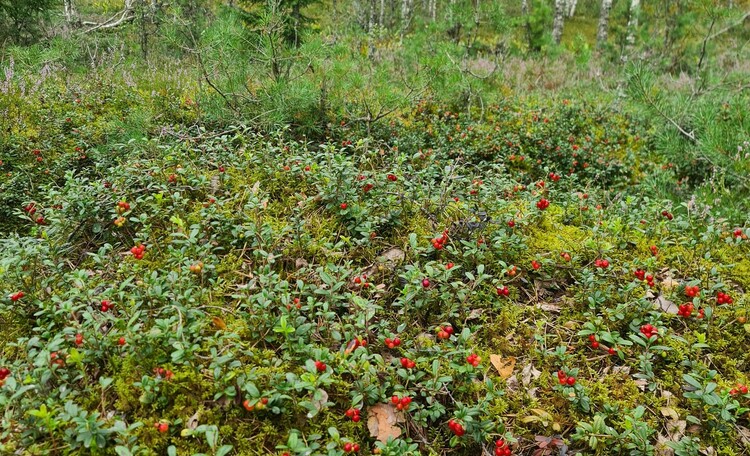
(504,366)
(218,323)
(393,255)
(382,422)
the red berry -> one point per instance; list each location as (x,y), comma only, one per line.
(571,381)
(348,447)
(121,341)
(343,205)
(426,283)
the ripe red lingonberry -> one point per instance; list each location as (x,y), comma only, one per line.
(473,359)
(536,265)
(692,291)
(542,204)
(406,363)
(17,296)
(503,291)
(343,206)
(392,177)
(426,283)
(511,223)
(320,366)
(121,341)
(449,266)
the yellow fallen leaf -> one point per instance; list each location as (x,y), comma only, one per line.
(504,366)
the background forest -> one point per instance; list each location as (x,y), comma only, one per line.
(329,227)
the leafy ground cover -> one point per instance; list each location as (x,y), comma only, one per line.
(453,286)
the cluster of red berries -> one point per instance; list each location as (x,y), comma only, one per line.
(166,374)
(362,281)
(367,187)
(392,343)
(106,305)
(260,405)
(473,359)
(320,366)
(686,310)
(534,264)
(439,242)
(601,263)
(449,266)
(79,339)
(741,389)
(162,426)
(196,268)
(502,448)
(392,177)
(503,291)
(649,330)
(738,233)
(30,209)
(445,332)
(542,204)
(692,292)
(353,414)
(554,177)
(122,207)
(55,359)
(565,256)
(640,274)
(668,215)
(351,447)
(654,250)
(723,298)
(594,342)
(401,403)
(138,251)
(456,427)
(406,363)
(15,297)
(565,379)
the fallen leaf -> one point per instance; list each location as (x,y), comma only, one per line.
(669,412)
(641,384)
(300,263)
(549,307)
(504,366)
(382,422)
(529,373)
(666,305)
(511,385)
(393,254)
(744,435)
(320,402)
(192,422)
(219,323)
(474,314)
(669,282)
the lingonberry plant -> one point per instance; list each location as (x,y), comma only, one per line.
(452,285)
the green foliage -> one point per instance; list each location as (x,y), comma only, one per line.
(21,21)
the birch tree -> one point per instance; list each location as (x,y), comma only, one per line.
(634,11)
(601,34)
(557,24)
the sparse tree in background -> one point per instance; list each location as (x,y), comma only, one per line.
(22,21)
(633,12)
(602,30)
(559,21)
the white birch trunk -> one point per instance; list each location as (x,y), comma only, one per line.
(601,34)
(557,25)
(635,7)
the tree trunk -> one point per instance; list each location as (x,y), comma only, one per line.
(381,18)
(71,14)
(601,34)
(570,7)
(406,10)
(635,6)
(557,25)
